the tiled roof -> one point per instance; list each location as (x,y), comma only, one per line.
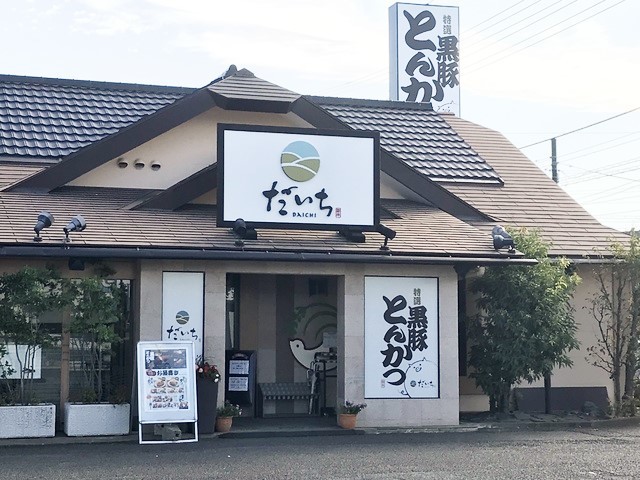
(529,198)
(415,134)
(51,118)
(11,173)
(110,225)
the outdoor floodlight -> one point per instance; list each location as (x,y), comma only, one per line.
(77,224)
(388,234)
(502,239)
(243,232)
(353,235)
(45,219)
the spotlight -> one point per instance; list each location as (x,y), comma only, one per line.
(502,239)
(243,232)
(45,219)
(77,224)
(388,234)
(353,235)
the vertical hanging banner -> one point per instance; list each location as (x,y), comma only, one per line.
(401,358)
(183,308)
(424,55)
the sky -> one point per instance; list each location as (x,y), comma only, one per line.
(530,69)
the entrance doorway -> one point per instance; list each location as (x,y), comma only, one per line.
(290,322)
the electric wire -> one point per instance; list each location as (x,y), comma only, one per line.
(496,15)
(477,45)
(484,65)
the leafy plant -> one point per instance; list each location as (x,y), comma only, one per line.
(95,314)
(616,308)
(352,408)
(24,297)
(526,325)
(207,371)
(229,410)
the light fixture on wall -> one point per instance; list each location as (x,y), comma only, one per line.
(502,239)
(243,231)
(388,234)
(45,219)
(77,224)
(352,234)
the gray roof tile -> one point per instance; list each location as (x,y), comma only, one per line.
(52,118)
(415,134)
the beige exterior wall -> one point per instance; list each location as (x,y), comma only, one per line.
(350,304)
(182,151)
(581,374)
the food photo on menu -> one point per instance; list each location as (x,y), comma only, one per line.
(166,384)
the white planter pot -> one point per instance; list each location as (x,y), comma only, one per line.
(81,420)
(26,421)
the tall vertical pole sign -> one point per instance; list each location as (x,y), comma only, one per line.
(424,55)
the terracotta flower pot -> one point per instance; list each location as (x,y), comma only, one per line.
(347,420)
(223,424)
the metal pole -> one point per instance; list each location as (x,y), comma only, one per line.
(554,161)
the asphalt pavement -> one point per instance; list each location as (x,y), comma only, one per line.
(609,451)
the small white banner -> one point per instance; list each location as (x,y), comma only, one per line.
(424,63)
(183,308)
(401,338)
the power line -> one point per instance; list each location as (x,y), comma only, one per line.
(581,128)
(526,26)
(484,65)
(513,14)
(497,14)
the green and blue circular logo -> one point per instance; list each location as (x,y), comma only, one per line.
(182,317)
(300,161)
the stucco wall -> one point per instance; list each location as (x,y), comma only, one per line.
(350,304)
(181,151)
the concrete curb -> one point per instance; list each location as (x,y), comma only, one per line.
(506,426)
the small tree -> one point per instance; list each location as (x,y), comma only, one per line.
(526,325)
(616,309)
(24,297)
(95,313)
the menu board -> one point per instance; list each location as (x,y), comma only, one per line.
(166,382)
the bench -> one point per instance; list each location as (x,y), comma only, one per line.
(282,391)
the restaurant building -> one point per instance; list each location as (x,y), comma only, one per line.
(310,233)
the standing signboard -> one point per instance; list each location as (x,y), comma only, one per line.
(401,347)
(166,384)
(424,55)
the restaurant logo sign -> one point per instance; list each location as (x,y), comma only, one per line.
(401,338)
(297,178)
(424,55)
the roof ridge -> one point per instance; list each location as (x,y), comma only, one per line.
(95,84)
(361,102)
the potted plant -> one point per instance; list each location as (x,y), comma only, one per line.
(207,381)
(24,297)
(348,413)
(101,408)
(225,416)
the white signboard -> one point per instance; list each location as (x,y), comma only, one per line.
(424,55)
(166,382)
(239,367)
(14,362)
(238,384)
(297,178)
(401,338)
(183,308)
